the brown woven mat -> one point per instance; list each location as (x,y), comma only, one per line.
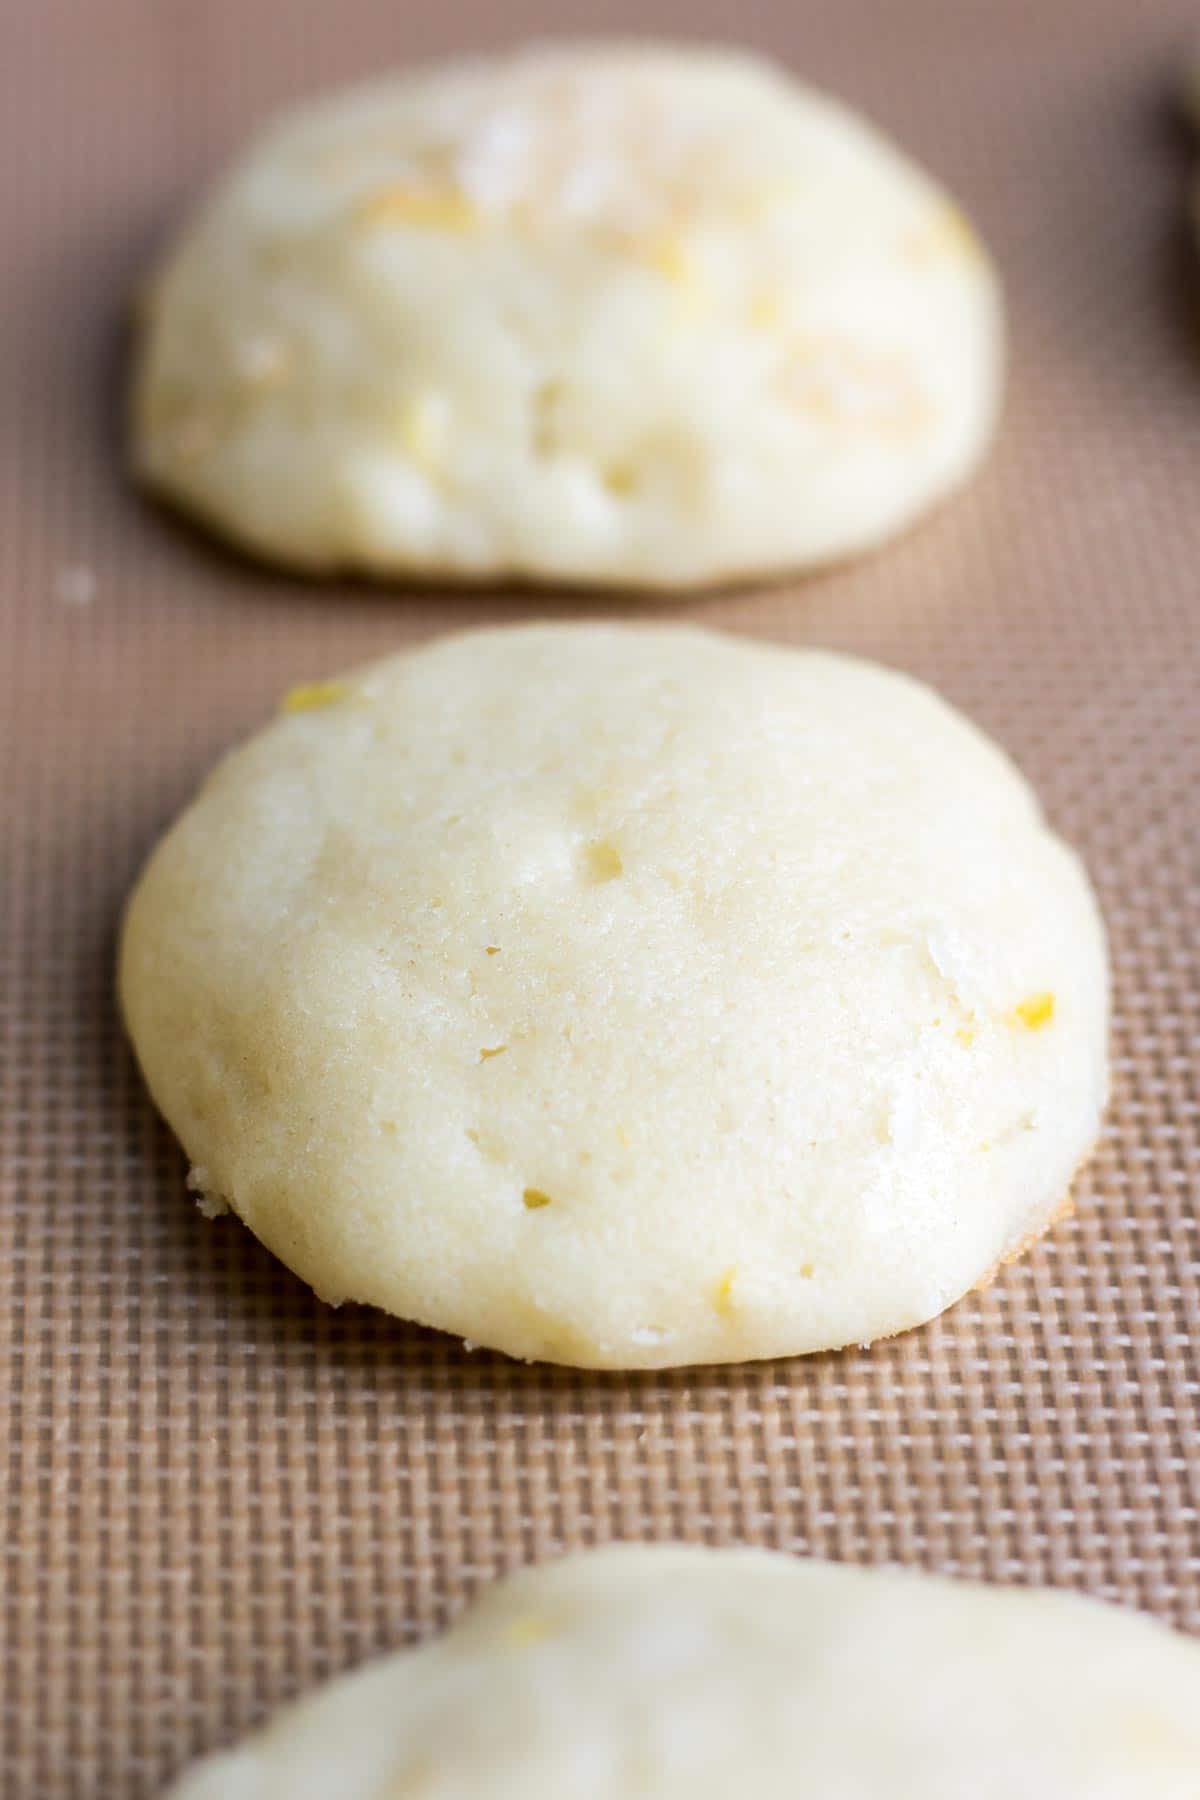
(217,1489)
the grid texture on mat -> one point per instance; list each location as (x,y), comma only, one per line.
(217,1489)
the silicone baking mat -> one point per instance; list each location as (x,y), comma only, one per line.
(217,1489)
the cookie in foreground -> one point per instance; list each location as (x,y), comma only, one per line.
(685,1674)
(624,996)
(642,315)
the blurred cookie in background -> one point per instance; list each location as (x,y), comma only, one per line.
(622,314)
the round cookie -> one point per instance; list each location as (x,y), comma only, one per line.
(624,997)
(673,1674)
(605,314)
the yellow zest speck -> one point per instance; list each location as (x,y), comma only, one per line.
(422,209)
(723,1293)
(310,696)
(497,1051)
(947,232)
(668,258)
(1033,1013)
(531,1628)
(491,950)
(765,310)
(604,862)
(423,422)
(620,478)
(966,1036)
(806,1271)
(534,1199)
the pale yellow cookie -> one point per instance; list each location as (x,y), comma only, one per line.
(676,1674)
(614,314)
(624,997)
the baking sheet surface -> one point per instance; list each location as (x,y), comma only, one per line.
(218,1489)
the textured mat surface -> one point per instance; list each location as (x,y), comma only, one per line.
(218,1489)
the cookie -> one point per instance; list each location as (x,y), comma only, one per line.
(684,1674)
(602,314)
(624,996)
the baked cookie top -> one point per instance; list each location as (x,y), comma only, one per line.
(673,1674)
(624,996)
(614,314)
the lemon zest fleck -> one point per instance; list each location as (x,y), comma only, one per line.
(424,210)
(668,258)
(534,1199)
(946,232)
(621,478)
(498,1050)
(723,1293)
(310,696)
(604,862)
(1035,1012)
(531,1628)
(765,310)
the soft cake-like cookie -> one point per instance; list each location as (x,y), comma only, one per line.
(677,1674)
(644,315)
(624,997)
